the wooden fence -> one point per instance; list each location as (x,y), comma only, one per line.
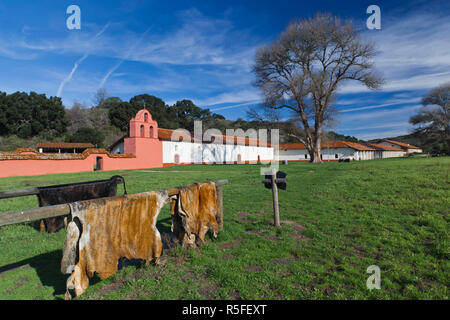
(13,217)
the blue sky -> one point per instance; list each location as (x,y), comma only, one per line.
(204,50)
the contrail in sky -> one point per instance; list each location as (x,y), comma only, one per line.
(77,63)
(117,65)
(236,105)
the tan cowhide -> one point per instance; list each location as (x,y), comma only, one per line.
(102,231)
(195,211)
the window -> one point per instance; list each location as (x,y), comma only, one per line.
(177,159)
(142,130)
(151,131)
(146,117)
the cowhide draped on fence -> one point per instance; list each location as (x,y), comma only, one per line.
(102,231)
(67,193)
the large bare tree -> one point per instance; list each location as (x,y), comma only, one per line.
(305,66)
(434,118)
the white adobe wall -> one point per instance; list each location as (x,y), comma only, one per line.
(213,153)
(330,154)
(118,149)
(188,152)
(294,155)
(327,154)
(378,154)
(365,155)
(336,153)
(392,154)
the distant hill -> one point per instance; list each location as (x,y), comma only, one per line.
(333,136)
(412,138)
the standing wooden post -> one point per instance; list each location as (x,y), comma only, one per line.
(220,206)
(276,213)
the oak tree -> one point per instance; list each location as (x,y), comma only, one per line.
(305,66)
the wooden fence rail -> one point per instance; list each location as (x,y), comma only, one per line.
(19,193)
(35,191)
(13,217)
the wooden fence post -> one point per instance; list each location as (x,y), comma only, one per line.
(276,213)
(220,205)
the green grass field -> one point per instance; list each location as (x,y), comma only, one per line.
(337,220)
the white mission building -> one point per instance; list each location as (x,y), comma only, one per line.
(217,150)
(177,147)
(338,150)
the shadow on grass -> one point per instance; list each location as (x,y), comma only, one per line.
(47,266)
(164,225)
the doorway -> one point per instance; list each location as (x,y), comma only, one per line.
(99,164)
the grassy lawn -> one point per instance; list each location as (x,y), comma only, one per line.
(337,220)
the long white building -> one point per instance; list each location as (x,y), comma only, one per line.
(222,149)
(338,150)
(241,150)
(176,147)
(407,148)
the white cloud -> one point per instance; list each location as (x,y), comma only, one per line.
(414,52)
(379,126)
(199,40)
(236,106)
(381,115)
(230,97)
(196,40)
(217,57)
(390,103)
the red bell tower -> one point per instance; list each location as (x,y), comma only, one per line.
(143,126)
(143,139)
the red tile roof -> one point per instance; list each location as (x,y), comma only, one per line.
(292,146)
(65,145)
(166,134)
(359,146)
(31,154)
(404,145)
(328,145)
(383,147)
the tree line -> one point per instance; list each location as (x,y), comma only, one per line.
(29,118)
(27,115)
